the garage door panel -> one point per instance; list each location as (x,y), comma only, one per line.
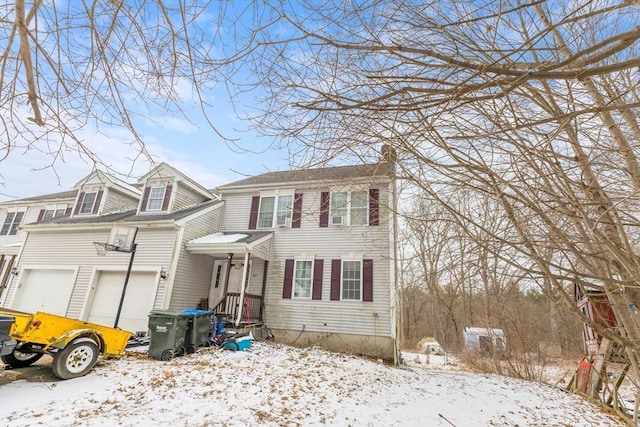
(138,302)
(47,290)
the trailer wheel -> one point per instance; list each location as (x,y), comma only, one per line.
(21,359)
(76,359)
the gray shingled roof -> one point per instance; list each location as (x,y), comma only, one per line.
(130,216)
(61,195)
(339,173)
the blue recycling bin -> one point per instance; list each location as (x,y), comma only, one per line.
(198,330)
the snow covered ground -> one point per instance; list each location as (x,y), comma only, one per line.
(275,385)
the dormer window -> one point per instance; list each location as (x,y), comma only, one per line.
(156,197)
(89,202)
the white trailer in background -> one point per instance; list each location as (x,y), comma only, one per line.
(484,339)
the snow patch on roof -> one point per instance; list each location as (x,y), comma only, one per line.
(220,238)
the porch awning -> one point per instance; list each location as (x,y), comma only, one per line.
(10,249)
(220,244)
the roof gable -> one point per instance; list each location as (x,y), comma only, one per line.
(100,178)
(164,171)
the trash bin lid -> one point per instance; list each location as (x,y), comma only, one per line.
(195,312)
(166,313)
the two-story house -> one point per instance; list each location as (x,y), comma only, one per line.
(309,254)
(327,274)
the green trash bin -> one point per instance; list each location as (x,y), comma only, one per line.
(168,332)
(198,330)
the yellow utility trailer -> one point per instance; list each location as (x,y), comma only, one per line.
(74,344)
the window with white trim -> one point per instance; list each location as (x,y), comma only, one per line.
(303,279)
(352,280)
(87,202)
(275,211)
(11,223)
(349,208)
(54,212)
(156,198)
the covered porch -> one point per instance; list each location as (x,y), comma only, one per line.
(239,275)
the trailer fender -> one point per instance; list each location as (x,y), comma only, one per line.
(63,340)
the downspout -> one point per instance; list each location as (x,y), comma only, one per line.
(243,285)
(397,306)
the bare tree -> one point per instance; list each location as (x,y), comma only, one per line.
(70,69)
(532,104)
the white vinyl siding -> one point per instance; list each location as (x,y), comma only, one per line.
(326,316)
(193,272)
(155,249)
(115,201)
(184,196)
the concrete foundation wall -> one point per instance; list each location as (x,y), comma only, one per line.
(365,345)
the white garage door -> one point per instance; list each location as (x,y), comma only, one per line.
(138,300)
(44,290)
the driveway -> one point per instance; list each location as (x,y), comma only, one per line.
(38,372)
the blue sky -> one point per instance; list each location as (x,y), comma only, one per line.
(195,150)
(191,146)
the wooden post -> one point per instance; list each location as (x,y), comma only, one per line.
(598,368)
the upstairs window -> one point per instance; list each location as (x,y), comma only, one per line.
(349,208)
(88,202)
(11,223)
(53,213)
(156,198)
(275,211)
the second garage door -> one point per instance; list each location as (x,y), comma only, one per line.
(138,302)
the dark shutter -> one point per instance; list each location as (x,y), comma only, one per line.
(324,209)
(253,217)
(80,200)
(96,203)
(336,266)
(374,206)
(297,211)
(316,292)
(288,278)
(145,199)
(367,280)
(41,215)
(68,211)
(167,197)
